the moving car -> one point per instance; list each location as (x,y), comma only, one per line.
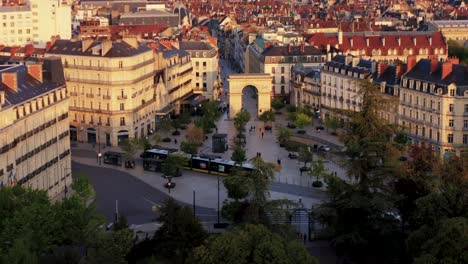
(293,155)
(324,148)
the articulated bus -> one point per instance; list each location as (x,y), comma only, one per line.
(154,158)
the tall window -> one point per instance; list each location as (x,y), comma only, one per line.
(122,107)
(122,121)
(450,122)
(450,138)
(465,138)
(451,108)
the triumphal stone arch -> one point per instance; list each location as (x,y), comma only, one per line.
(237,82)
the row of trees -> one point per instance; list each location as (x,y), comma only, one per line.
(393,211)
(35,230)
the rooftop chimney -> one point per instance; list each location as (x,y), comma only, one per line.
(381,68)
(132,41)
(434,64)
(399,41)
(340,37)
(454,60)
(446,69)
(85,44)
(106,46)
(35,70)
(414,41)
(411,62)
(2,99)
(289,48)
(383,41)
(302,47)
(367,42)
(10,79)
(430,41)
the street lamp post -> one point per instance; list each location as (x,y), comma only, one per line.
(99,145)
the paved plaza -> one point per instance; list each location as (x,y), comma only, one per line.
(288,182)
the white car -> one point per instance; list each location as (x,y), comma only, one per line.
(324,148)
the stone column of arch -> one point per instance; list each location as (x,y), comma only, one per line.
(237,82)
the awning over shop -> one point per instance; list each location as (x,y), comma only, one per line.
(198,100)
(166,110)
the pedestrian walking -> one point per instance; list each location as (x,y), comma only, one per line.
(262,134)
(175,140)
(305,238)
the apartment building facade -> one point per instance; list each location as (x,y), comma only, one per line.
(434,105)
(35,22)
(34,127)
(111,89)
(306,85)
(173,79)
(278,61)
(205,74)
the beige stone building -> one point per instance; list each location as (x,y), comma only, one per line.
(434,104)
(112,96)
(451,29)
(173,80)
(306,87)
(34,127)
(278,60)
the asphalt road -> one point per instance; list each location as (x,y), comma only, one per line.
(135,198)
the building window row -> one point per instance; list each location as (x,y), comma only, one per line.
(43,168)
(30,133)
(35,151)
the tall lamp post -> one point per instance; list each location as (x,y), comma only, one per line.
(99,145)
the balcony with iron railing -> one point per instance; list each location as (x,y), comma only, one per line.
(110,69)
(106,97)
(121,97)
(109,82)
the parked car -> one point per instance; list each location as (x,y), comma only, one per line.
(293,155)
(320,128)
(291,125)
(304,168)
(324,148)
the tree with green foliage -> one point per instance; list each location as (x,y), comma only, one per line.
(332,122)
(251,244)
(83,188)
(189,147)
(131,146)
(240,120)
(277,104)
(439,227)
(164,126)
(283,134)
(238,155)
(415,179)
(179,234)
(256,183)
(111,247)
(305,155)
(318,170)
(302,120)
(356,212)
(267,118)
(205,123)
(291,116)
(457,50)
(185,118)
(176,124)
(173,164)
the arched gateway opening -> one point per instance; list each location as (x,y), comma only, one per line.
(258,86)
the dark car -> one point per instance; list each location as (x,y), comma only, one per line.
(304,168)
(320,128)
(293,155)
(291,125)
